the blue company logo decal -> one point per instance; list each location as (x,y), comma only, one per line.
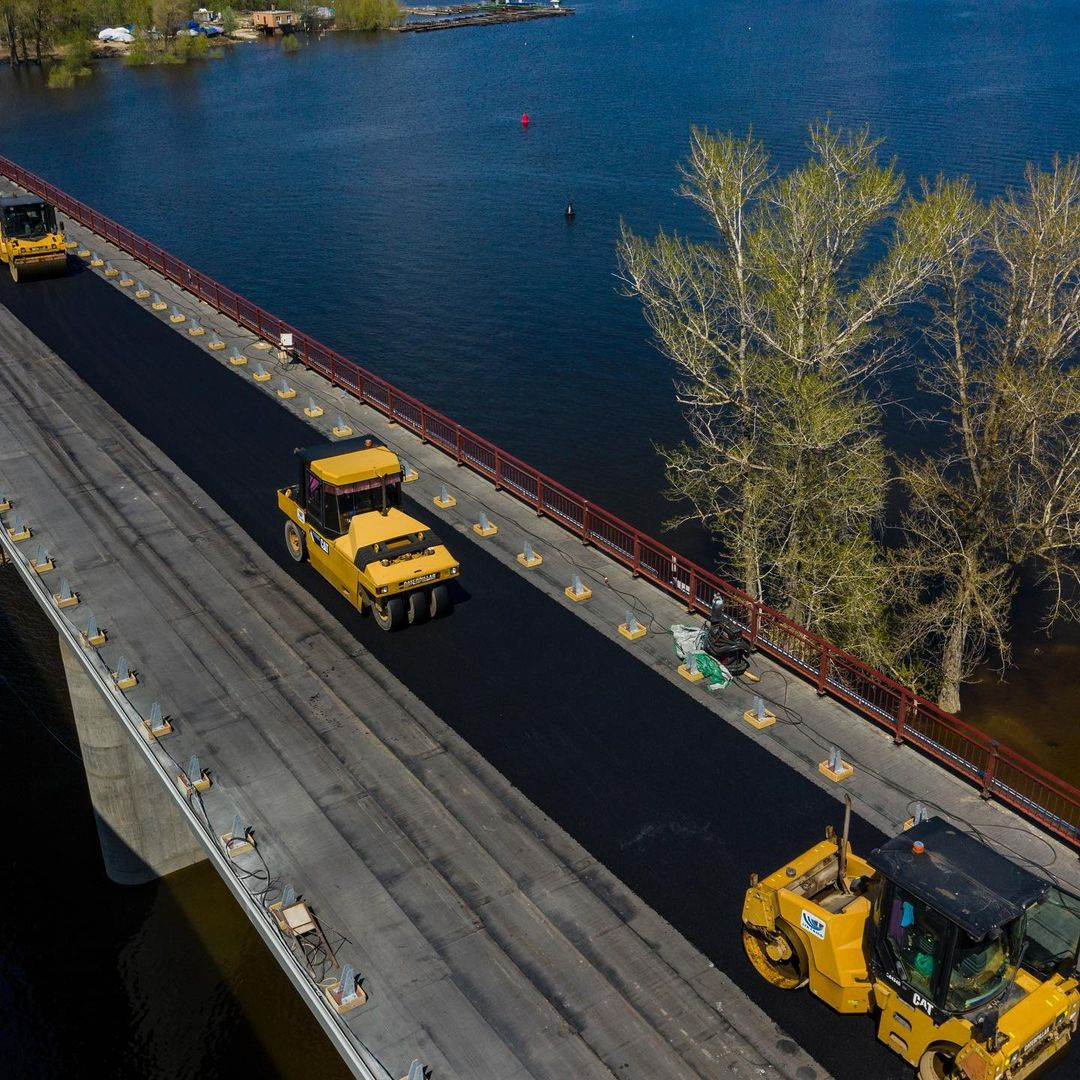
(812,924)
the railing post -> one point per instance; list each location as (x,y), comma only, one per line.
(693,591)
(901,720)
(423,425)
(457,445)
(585,525)
(823,669)
(990,770)
(539,497)
(755,616)
(636,568)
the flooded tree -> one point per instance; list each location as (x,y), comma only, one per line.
(779,327)
(1004,492)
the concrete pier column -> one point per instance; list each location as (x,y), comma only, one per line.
(143,835)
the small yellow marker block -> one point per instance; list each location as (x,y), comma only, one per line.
(196,331)
(749,676)
(217,346)
(125,684)
(97,640)
(261,345)
(690,676)
(70,245)
(577,597)
(845,770)
(5,505)
(23,534)
(187,787)
(112,272)
(177,318)
(236,845)
(96,262)
(142,294)
(759,722)
(530,564)
(314,414)
(161,732)
(44,566)
(334,995)
(84,253)
(239,360)
(632,635)
(264,377)
(159,306)
(286,395)
(341,432)
(126,283)
(63,602)
(479,529)
(411,476)
(444,504)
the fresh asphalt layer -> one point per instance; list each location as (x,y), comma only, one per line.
(680,806)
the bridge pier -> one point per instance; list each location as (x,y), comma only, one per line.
(141,834)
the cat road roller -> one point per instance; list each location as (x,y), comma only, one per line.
(967,961)
(344,514)
(31,242)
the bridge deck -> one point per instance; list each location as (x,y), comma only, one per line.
(659,781)
(492,945)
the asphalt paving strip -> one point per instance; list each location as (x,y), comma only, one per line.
(680,806)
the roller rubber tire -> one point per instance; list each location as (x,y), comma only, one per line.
(939,1063)
(391,615)
(439,602)
(418,606)
(294,542)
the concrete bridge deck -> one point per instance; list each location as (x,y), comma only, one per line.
(658,780)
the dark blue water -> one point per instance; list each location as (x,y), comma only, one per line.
(381,193)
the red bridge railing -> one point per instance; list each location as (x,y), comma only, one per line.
(999,771)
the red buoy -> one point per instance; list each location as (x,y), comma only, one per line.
(524,119)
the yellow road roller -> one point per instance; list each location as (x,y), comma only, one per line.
(31,242)
(344,515)
(966,960)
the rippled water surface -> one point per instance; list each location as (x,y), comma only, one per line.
(381,193)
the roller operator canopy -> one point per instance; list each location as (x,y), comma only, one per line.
(351,461)
(968,882)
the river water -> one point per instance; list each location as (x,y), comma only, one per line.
(381,192)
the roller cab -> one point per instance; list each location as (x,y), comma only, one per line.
(344,515)
(967,961)
(31,243)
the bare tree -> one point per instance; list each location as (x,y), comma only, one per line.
(778,330)
(1004,491)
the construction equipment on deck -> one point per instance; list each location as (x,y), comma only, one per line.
(967,961)
(31,242)
(345,516)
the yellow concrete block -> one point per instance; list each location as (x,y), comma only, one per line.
(43,567)
(845,770)
(126,283)
(196,331)
(159,306)
(83,253)
(236,845)
(333,995)
(577,597)
(632,635)
(165,729)
(314,414)
(341,432)
(491,530)
(61,602)
(97,262)
(264,377)
(112,272)
(125,684)
(410,477)
(239,360)
(5,505)
(530,564)
(95,641)
(690,676)
(286,395)
(70,245)
(186,786)
(444,504)
(177,318)
(261,345)
(23,534)
(217,346)
(761,723)
(142,294)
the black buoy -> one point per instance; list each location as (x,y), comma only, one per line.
(569,210)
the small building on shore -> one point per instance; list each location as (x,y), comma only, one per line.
(273,22)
